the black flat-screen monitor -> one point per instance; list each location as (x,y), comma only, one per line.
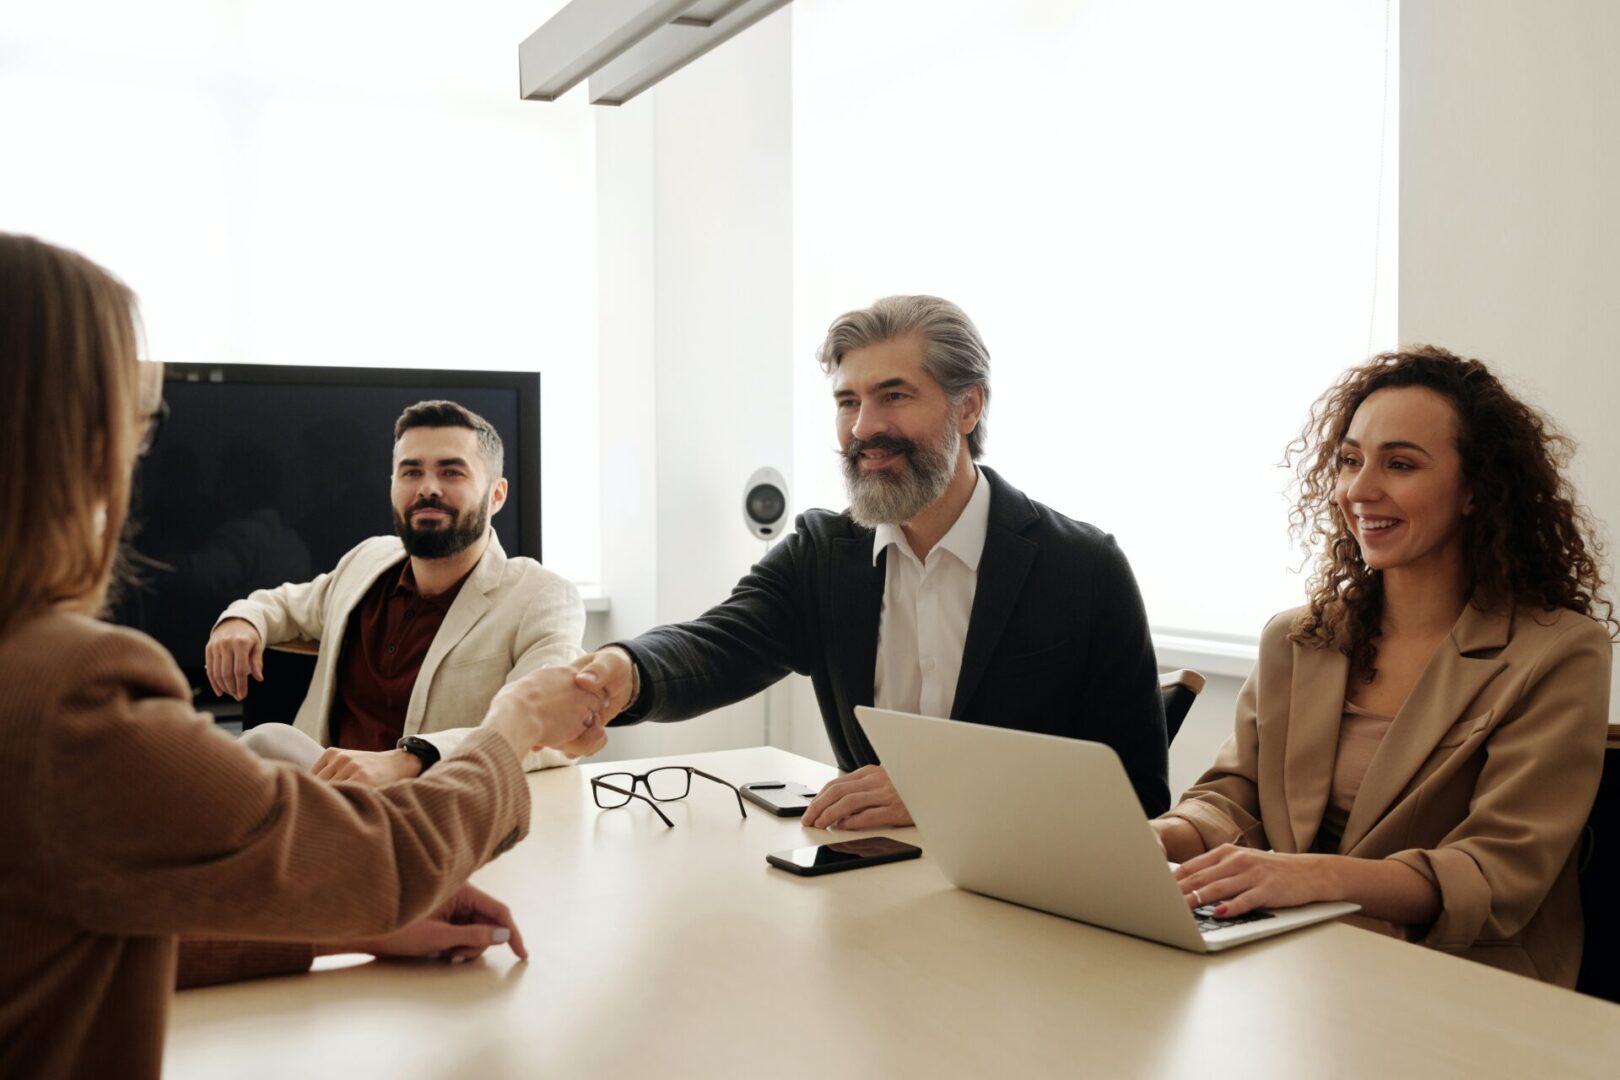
(264,474)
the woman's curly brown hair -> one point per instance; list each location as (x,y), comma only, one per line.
(1527,541)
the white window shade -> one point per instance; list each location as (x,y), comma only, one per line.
(1165,219)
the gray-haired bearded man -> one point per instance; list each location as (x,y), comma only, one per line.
(942,589)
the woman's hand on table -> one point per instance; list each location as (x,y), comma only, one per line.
(466,924)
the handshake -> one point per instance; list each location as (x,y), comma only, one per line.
(565,708)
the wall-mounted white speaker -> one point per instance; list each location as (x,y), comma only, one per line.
(765,503)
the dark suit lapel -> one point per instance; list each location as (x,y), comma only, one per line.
(1316,708)
(1447,687)
(857,603)
(1002,569)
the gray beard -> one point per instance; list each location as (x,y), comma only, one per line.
(882,498)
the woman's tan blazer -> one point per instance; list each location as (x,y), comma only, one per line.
(1482,784)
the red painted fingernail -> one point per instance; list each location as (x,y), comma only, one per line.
(1220,911)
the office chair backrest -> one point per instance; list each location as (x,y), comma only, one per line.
(1600,959)
(1178,689)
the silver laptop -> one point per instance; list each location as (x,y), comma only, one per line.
(1053,824)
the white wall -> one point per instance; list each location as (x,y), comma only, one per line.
(695,292)
(1510,208)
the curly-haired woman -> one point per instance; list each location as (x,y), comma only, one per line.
(1425,736)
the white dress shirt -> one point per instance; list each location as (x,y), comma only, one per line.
(926,606)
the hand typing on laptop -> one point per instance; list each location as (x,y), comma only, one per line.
(1236,880)
(863,799)
(1233,880)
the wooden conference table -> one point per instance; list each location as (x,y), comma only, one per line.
(660,953)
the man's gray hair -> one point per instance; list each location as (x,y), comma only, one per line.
(953,355)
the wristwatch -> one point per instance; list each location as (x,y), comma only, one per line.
(421,749)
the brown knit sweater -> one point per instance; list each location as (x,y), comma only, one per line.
(126,819)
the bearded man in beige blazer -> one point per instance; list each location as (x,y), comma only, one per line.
(416,632)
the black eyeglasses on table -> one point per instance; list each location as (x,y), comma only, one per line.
(665,784)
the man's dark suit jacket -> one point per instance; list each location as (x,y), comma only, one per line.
(1057,640)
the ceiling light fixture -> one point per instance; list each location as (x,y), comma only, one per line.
(626,46)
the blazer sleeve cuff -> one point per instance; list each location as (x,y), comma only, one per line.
(1214,827)
(1465,897)
(250,613)
(447,741)
(641,688)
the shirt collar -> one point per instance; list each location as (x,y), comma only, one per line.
(964,539)
(406,582)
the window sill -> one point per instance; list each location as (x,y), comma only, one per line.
(596,601)
(1206,653)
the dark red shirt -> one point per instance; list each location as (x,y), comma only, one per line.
(387,639)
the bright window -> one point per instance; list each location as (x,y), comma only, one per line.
(1165,217)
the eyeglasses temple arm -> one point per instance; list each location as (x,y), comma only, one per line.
(656,810)
(728,783)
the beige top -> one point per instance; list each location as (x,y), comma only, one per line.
(1360,732)
(127,819)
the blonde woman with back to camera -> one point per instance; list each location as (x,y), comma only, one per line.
(1425,737)
(127,821)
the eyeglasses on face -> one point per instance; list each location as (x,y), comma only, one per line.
(665,784)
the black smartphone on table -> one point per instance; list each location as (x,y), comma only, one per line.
(844,855)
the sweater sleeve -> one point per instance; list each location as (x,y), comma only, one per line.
(157,823)
(207,963)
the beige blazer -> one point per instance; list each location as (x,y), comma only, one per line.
(1482,784)
(511,617)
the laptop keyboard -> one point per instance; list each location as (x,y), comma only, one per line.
(1207,922)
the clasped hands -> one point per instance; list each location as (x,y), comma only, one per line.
(545,708)
(550,707)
